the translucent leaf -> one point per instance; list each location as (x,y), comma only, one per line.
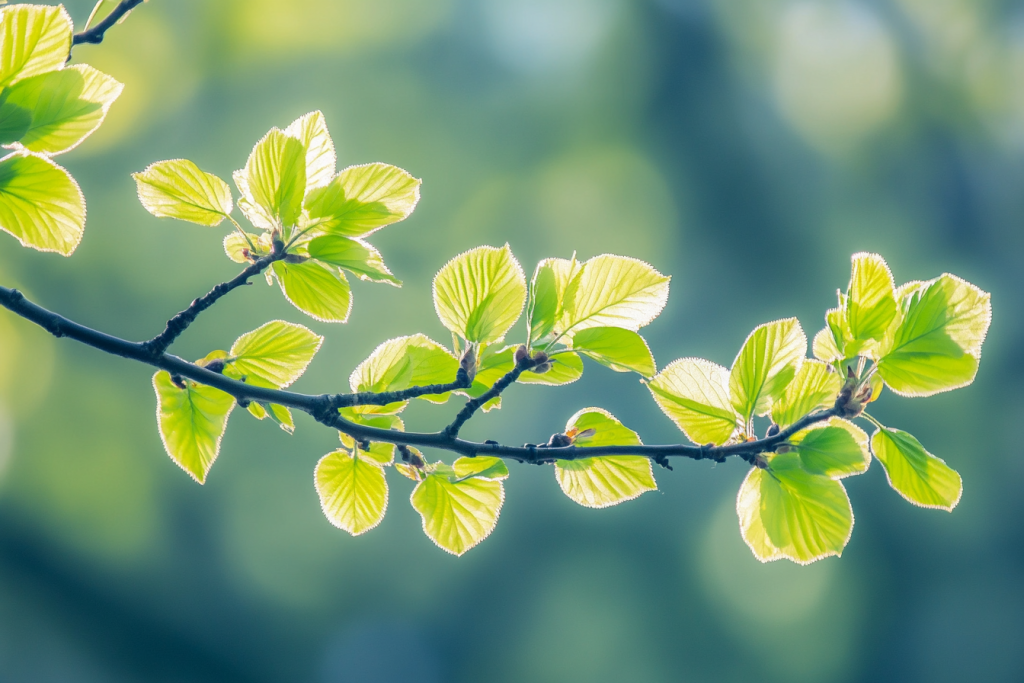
(606,480)
(316,289)
(694,393)
(179,189)
(277,352)
(789,512)
(479,294)
(321,160)
(617,348)
(33,39)
(274,180)
(378,452)
(566,368)
(353,255)
(236,246)
(457,516)
(815,386)
(766,365)
(613,291)
(483,466)
(283,416)
(547,291)
(362,199)
(365,415)
(870,303)
(63,107)
(257,410)
(191,422)
(405,362)
(825,348)
(40,204)
(913,472)
(936,346)
(353,492)
(408,471)
(835,449)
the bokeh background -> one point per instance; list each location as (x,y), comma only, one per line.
(746,147)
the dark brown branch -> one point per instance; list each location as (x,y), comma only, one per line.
(474,404)
(95,34)
(383,398)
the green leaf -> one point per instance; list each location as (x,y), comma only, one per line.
(277,353)
(274,181)
(191,422)
(379,452)
(936,346)
(613,291)
(321,159)
(694,393)
(547,290)
(605,480)
(566,368)
(617,348)
(364,415)
(40,203)
(283,416)
(457,516)
(353,255)
(482,466)
(913,472)
(317,289)
(815,386)
(789,512)
(405,362)
(480,294)
(33,39)
(871,303)
(825,347)
(765,365)
(363,199)
(353,492)
(63,107)
(179,189)
(834,449)
(236,245)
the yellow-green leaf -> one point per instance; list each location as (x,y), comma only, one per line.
(405,362)
(613,291)
(33,39)
(363,199)
(273,182)
(483,466)
(40,204)
(353,492)
(870,303)
(815,386)
(566,368)
(547,292)
(177,188)
(480,294)
(353,255)
(837,448)
(191,422)
(913,472)
(694,393)
(766,365)
(616,348)
(276,353)
(321,159)
(317,289)
(457,516)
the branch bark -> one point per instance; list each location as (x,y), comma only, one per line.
(95,34)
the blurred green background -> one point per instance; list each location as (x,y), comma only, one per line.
(746,147)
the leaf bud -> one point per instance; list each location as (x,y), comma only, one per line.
(559,441)
(468,362)
(178,381)
(293,258)
(216,366)
(521,353)
(541,363)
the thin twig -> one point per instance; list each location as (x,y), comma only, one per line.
(474,404)
(95,34)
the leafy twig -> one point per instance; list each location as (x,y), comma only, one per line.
(474,404)
(96,33)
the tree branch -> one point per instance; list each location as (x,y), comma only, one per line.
(180,322)
(474,404)
(324,408)
(95,34)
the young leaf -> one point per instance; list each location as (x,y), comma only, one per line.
(815,386)
(177,188)
(363,199)
(616,348)
(236,245)
(479,294)
(913,472)
(318,290)
(607,480)
(40,203)
(870,304)
(283,416)
(191,422)
(353,255)
(547,291)
(566,368)
(789,512)
(482,466)
(33,39)
(63,107)
(765,365)
(379,452)
(694,393)
(613,291)
(406,362)
(834,449)
(936,346)
(311,130)
(274,181)
(825,347)
(353,492)
(457,516)
(276,353)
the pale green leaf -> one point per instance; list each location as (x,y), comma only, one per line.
(480,293)
(457,516)
(311,130)
(547,292)
(318,290)
(613,291)
(379,452)
(33,39)
(836,449)
(40,204)
(765,365)
(789,512)
(913,472)
(608,431)
(274,181)
(362,199)
(191,422)
(694,393)
(257,410)
(236,246)
(283,417)
(815,386)
(353,255)
(177,188)
(365,415)
(936,345)
(277,352)
(870,303)
(353,492)
(825,347)
(566,368)
(617,348)
(405,362)
(483,466)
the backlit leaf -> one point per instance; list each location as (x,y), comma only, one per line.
(836,449)
(483,466)
(457,516)
(870,304)
(913,472)
(316,289)
(617,348)
(550,280)
(694,393)
(613,291)
(274,181)
(765,366)
(191,422)
(353,255)
(362,199)
(33,39)
(179,189)
(406,362)
(353,492)
(480,294)
(277,352)
(815,386)
(40,204)
(566,368)
(321,160)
